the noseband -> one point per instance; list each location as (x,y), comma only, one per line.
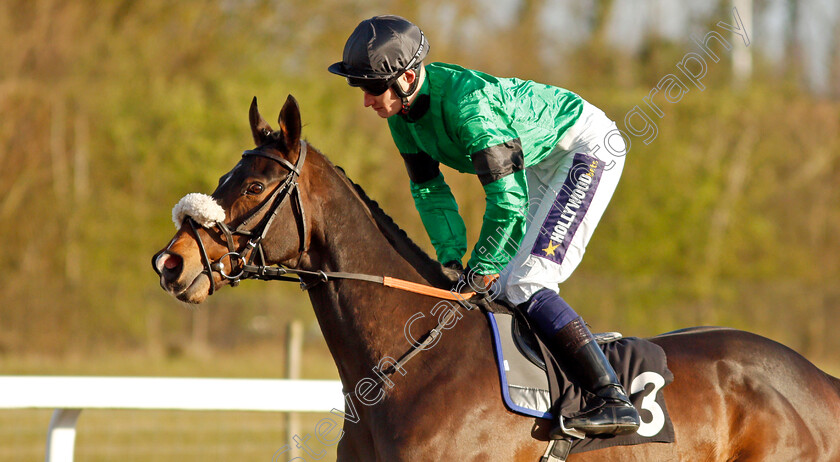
(256,232)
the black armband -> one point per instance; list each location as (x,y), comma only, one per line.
(498,161)
(421,167)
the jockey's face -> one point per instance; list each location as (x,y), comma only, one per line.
(385,105)
(388,104)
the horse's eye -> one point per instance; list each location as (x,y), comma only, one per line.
(255,189)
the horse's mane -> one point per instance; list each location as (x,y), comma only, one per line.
(429,268)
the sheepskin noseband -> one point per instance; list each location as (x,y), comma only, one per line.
(201,207)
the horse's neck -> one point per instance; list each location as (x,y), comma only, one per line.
(347,237)
(362,322)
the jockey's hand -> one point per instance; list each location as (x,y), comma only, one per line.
(454,264)
(479,283)
(453,271)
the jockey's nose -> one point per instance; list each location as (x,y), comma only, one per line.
(368,99)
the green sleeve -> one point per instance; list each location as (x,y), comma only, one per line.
(484,129)
(439,213)
(504,224)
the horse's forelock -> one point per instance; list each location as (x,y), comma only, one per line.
(276,140)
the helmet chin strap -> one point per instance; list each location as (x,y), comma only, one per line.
(404,95)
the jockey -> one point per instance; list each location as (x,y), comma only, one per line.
(548,163)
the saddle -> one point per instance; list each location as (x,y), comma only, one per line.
(535,384)
(527,344)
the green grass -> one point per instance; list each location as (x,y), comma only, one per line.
(183,436)
(106,435)
(137,435)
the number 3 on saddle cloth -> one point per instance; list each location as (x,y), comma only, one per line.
(528,388)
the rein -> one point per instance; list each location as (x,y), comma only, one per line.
(278,273)
(249,270)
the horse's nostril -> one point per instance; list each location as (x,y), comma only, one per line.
(172,262)
(169,265)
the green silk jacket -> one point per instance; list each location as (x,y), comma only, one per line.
(484,125)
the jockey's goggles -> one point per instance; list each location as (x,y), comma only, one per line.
(373,87)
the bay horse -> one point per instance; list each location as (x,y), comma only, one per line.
(736,396)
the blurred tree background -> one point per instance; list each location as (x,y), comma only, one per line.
(112,111)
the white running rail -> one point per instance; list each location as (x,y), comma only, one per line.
(69,395)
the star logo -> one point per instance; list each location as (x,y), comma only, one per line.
(551,248)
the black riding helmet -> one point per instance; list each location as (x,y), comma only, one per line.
(379,51)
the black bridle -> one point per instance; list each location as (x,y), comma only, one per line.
(261,270)
(256,232)
(256,267)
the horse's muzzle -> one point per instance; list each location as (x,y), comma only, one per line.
(168,266)
(156,264)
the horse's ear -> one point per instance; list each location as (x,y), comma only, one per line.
(289,121)
(259,127)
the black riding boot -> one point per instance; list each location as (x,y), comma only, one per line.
(612,412)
